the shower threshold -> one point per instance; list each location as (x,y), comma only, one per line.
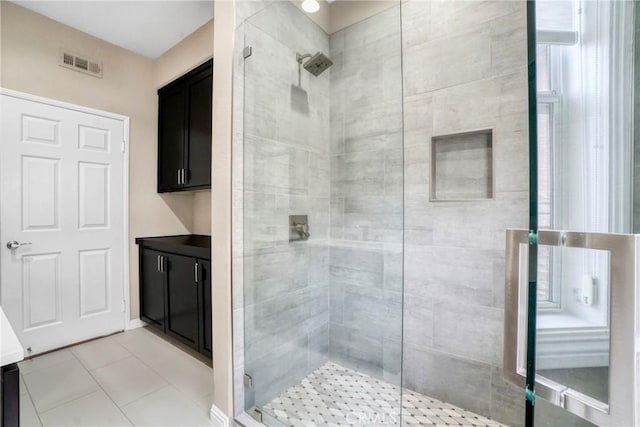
(337,396)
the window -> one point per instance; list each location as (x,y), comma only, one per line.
(549,125)
(582,185)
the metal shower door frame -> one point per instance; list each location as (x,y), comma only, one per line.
(623,365)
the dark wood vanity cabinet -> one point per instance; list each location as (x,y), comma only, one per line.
(175,293)
(184,131)
(204,294)
(10,395)
(181,303)
(152,292)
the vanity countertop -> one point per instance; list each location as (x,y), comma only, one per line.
(194,245)
(10,349)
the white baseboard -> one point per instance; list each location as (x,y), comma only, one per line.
(135,323)
(218,417)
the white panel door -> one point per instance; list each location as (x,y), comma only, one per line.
(62,198)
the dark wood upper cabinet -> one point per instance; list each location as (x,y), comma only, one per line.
(184,131)
(171,137)
(198,150)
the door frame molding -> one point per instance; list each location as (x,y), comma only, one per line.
(125,180)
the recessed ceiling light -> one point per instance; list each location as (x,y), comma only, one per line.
(310,6)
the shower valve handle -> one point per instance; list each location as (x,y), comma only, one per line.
(302,230)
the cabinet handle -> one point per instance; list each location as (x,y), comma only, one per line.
(184,180)
(195,272)
(179,177)
(159,263)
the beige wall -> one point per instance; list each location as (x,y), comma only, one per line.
(221,207)
(189,53)
(29,51)
(202,213)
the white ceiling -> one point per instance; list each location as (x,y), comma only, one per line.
(148,28)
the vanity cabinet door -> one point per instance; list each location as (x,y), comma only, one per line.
(182,299)
(175,296)
(152,296)
(205,307)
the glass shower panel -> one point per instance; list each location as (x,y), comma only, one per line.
(465,152)
(585,179)
(286,172)
(322,218)
(572,347)
(548,414)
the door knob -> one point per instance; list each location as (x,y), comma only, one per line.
(15,245)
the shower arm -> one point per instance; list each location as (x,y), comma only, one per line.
(300,57)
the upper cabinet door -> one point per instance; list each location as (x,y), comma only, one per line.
(198,150)
(171,137)
(184,131)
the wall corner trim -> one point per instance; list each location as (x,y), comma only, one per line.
(218,417)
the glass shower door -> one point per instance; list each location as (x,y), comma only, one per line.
(570,329)
(322,218)
(582,357)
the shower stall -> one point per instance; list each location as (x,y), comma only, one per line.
(369,284)
(381,151)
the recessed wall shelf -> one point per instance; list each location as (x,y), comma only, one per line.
(462,166)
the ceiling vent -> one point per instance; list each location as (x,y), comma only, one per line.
(80,63)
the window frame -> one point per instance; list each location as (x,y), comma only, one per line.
(553,99)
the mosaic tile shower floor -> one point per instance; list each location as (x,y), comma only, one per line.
(336,396)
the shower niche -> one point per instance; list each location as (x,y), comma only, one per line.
(462,166)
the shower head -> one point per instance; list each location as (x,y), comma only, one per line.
(316,64)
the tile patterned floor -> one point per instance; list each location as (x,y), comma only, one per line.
(336,396)
(130,379)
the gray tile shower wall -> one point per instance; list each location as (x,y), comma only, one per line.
(365,264)
(285,171)
(464,68)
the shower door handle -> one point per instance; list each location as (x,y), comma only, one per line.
(624,254)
